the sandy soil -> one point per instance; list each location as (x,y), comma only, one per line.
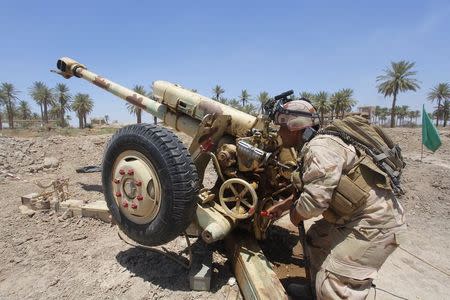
(46,257)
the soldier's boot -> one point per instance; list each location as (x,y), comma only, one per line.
(299,291)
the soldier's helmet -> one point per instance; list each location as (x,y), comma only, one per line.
(296,115)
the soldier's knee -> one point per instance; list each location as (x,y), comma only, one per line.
(332,286)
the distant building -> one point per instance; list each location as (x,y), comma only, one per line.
(367,110)
(98,121)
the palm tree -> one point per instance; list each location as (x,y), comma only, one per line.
(383,114)
(134,110)
(82,105)
(377,114)
(47,100)
(320,101)
(417,115)
(446,109)
(24,110)
(244,97)
(223,100)
(263,97)
(1,111)
(307,95)
(249,108)
(54,113)
(36,93)
(336,101)
(402,112)
(217,91)
(411,116)
(43,96)
(397,79)
(106,117)
(234,103)
(347,101)
(63,96)
(439,93)
(9,95)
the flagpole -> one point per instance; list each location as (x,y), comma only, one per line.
(421,155)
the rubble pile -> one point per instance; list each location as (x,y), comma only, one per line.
(25,155)
(55,197)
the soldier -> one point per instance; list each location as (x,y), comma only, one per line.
(346,248)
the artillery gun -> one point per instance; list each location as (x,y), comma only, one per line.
(153,185)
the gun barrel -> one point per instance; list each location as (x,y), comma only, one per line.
(198,106)
(179,108)
(69,67)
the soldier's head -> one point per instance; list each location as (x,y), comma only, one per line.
(294,117)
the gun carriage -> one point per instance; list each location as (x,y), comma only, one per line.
(153,185)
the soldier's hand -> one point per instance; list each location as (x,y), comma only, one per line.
(281,206)
(275,211)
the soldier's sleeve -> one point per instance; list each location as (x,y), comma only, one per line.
(322,170)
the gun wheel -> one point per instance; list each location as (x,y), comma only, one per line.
(137,189)
(238,198)
(150,183)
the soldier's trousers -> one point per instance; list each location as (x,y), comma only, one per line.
(343,262)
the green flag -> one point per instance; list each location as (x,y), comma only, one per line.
(430,135)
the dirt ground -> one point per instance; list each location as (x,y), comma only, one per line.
(44,256)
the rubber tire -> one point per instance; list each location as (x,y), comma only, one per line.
(177,175)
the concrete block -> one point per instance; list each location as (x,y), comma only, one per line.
(73,205)
(97,210)
(28,199)
(200,272)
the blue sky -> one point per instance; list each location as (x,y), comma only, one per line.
(257,45)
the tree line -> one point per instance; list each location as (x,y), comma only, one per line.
(400,77)
(54,103)
(334,104)
(404,115)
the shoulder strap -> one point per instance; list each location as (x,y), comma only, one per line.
(378,158)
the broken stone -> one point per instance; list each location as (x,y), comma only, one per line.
(67,214)
(25,210)
(42,204)
(51,162)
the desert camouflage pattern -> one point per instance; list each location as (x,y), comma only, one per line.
(178,107)
(346,256)
(296,122)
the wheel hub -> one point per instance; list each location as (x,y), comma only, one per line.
(130,188)
(137,188)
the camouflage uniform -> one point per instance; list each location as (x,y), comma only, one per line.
(345,255)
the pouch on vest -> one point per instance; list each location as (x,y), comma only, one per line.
(353,189)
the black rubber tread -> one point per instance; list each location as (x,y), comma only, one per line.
(177,174)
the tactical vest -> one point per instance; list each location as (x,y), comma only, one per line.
(372,169)
(354,187)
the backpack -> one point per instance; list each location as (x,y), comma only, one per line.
(374,142)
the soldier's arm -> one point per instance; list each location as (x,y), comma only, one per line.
(321,174)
